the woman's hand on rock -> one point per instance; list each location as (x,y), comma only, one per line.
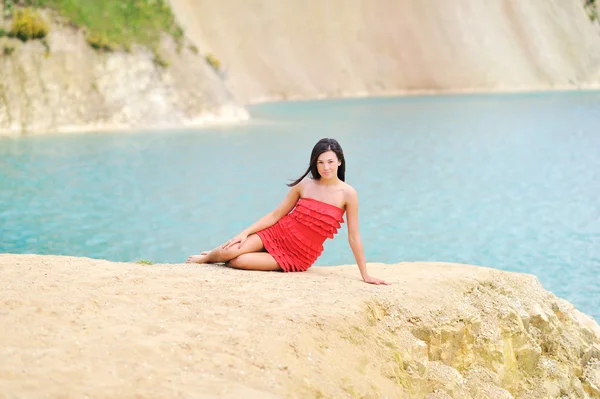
(375,280)
(239,239)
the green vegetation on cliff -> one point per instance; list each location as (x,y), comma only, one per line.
(592,9)
(116,23)
(213,61)
(28,24)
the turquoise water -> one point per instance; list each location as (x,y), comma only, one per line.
(507,181)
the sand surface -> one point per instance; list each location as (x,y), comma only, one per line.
(79,327)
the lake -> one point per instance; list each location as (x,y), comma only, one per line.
(508,181)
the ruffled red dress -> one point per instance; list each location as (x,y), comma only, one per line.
(296,240)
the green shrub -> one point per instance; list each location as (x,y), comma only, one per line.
(46,48)
(213,61)
(592,9)
(27,24)
(8,8)
(160,61)
(99,41)
(143,262)
(8,50)
(3,32)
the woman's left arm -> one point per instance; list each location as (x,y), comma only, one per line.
(354,237)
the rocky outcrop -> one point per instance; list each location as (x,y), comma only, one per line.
(439,331)
(507,338)
(62,84)
(275,49)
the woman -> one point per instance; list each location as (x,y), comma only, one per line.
(292,241)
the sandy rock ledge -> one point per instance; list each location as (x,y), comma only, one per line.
(79,327)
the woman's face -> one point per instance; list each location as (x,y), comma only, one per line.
(327,165)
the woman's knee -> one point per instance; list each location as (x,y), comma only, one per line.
(235,262)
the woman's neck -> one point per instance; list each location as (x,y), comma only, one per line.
(328,182)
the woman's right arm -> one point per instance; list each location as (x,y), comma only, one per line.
(269,219)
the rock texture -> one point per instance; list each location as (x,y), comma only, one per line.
(275,49)
(75,327)
(65,85)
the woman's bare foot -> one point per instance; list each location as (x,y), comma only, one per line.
(198,258)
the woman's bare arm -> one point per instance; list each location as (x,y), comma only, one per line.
(354,237)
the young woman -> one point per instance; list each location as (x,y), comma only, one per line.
(291,237)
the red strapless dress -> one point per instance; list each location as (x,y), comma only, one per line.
(296,240)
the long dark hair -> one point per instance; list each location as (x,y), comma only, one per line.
(322,146)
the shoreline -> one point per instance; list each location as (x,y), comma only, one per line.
(229,115)
(426,93)
(238,115)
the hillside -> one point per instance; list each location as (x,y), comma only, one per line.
(273,49)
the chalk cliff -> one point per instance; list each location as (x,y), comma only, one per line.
(274,49)
(74,327)
(62,84)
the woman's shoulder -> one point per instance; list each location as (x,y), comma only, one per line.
(301,186)
(348,188)
(304,183)
(349,191)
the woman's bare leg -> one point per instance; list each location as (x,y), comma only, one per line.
(262,261)
(220,255)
